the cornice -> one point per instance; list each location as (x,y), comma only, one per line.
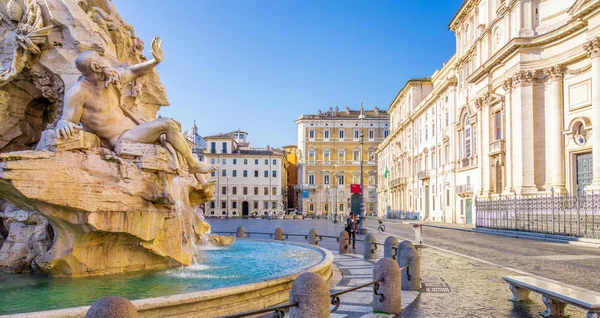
(461,14)
(519,43)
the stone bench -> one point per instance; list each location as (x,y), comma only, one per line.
(554,295)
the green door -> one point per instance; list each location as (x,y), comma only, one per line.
(469,211)
(355,204)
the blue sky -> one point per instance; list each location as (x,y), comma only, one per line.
(257,65)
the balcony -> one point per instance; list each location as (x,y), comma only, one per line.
(496,147)
(464,190)
(465,162)
(312,186)
(423,174)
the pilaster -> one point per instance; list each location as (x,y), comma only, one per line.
(553,113)
(523,145)
(507,130)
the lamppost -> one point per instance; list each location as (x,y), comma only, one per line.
(335,189)
(362,225)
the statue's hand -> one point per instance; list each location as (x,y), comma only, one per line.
(66,128)
(157,51)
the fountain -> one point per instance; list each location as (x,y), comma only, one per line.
(93,184)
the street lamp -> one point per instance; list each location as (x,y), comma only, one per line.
(362,225)
(335,189)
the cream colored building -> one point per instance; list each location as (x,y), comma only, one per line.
(329,153)
(249,181)
(514,106)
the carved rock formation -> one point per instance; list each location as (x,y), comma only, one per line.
(70,207)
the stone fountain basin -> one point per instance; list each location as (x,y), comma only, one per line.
(213,302)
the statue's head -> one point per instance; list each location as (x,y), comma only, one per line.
(96,68)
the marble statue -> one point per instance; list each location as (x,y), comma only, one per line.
(91,182)
(94,100)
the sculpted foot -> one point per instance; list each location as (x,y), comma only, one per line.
(204,179)
(202,167)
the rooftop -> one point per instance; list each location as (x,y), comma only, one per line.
(333,114)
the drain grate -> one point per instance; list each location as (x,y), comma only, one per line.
(435,287)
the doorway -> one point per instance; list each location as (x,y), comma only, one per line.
(245,209)
(469,211)
(584,172)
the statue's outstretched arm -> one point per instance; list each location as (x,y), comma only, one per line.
(72,112)
(141,69)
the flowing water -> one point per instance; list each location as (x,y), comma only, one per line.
(245,261)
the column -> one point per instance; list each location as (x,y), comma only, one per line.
(593,49)
(554,154)
(483,151)
(523,144)
(507,130)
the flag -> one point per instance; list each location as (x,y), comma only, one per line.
(385,173)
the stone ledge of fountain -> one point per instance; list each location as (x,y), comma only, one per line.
(213,302)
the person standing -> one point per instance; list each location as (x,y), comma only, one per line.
(351,229)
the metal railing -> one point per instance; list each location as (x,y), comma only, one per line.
(423,174)
(496,146)
(573,215)
(403,215)
(464,189)
(277,311)
(335,297)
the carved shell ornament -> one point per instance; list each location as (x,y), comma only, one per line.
(24,36)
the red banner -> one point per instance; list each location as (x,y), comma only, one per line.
(355,188)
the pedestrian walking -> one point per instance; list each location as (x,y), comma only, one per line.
(351,229)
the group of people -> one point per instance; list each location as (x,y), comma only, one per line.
(352,228)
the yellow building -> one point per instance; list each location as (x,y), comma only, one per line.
(329,146)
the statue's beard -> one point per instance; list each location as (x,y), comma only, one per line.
(109,75)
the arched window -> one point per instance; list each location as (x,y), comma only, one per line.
(467,137)
(356,178)
(326,177)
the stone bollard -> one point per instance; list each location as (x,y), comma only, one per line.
(390,247)
(370,246)
(112,307)
(404,244)
(313,237)
(388,297)
(240,232)
(311,293)
(279,234)
(344,243)
(411,277)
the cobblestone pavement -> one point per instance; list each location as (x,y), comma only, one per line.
(571,264)
(476,287)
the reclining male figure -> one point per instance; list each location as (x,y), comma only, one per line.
(94,100)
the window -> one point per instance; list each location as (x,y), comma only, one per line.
(255,161)
(371,180)
(326,179)
(223,190)
(212,204)
(274,191)
(234,205)
(341,155)
(245,191)
(224,173)
(386,133)
(498,125)
(311,134)
(341,134)
(371,134)
(224,148)
(356,178)
(371,154)
(266,162)
(274,173)
(256,173)
(235,161)
(326,156)
(255,205)
(447,197)
(447,117)
(213,161)
(446,154)
(467,140)
(245,173)
(311,179)
(356,155)
(311,155)
(255,190)
(266,191)
(274,162)
(234,173)
(223,205)
(213,147)
(245,161)
(224,161)
(356,134)
(326,134)
(234,191)
(266,173)
(274,205)
(474,140)
(212,174)
(341,208)
(326,207)
(341,179)
(311,207)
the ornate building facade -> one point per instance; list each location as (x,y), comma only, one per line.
(514,107)
(329,153)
